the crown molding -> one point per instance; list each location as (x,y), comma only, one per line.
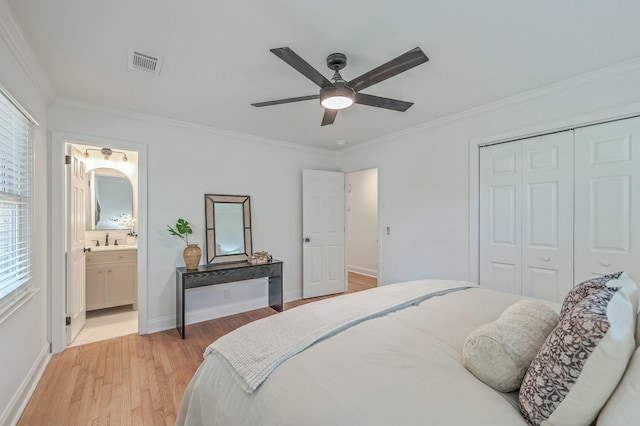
(128,114)
(11,33)
(591,78)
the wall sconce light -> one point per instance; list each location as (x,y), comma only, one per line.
(106,152)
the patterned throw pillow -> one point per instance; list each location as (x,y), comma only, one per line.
(592,343)
(583,290)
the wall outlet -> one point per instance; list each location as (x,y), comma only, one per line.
(227,293)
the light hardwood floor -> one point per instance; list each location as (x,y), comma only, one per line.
(134,380)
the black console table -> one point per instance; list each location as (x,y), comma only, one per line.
(207,275)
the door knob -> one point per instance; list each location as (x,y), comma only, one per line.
(605,263)
(307,240)
(546,258)
(86,249)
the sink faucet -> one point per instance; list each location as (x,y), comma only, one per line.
(106,239)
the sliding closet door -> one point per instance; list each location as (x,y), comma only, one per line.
(607,219)
(526,216)
(500,217)
(547,216)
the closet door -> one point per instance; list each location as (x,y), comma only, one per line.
(547,216)
(526,216)
(500,217)
(607,186)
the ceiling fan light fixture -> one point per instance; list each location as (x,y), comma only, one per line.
(337,93)
(337,102)
(339,97)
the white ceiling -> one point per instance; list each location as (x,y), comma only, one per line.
(216,58)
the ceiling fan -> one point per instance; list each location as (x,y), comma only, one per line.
(339,94)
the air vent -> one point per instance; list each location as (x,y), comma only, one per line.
(143,62)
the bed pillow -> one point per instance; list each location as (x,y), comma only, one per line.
(623,408)
(638,330)
(499,353)
(584,289)
(581,361)
(628,286)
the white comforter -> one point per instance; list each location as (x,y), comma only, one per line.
(252,352)
(404,368)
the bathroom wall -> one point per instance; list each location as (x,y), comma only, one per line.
(130,170)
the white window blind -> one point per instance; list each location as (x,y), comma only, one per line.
(16,202)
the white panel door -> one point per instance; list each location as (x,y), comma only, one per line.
(323,233)
(547,216)
(76,206)
(607,216)
(500,217)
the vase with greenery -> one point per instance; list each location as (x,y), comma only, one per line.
(192,252)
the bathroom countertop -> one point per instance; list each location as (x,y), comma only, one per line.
(114,247)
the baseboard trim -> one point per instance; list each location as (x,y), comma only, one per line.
(363,271)
(164,323)
(168,322)
(292,295)
(22,396)
(193,317)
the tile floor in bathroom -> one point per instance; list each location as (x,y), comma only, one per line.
(107,323)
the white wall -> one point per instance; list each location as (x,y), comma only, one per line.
(362,216)
(23,334)
(424,187)
(185,162)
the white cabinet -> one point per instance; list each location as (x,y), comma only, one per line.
(561,208)
(111,279)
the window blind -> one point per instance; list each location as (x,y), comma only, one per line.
(16,202)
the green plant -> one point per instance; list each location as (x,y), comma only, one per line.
(181,230)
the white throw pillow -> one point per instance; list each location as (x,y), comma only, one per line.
(499,353)
(638,330)
(628,286)
(581,362)
(623,408)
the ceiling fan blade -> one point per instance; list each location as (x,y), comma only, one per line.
(286,101)
(329,116)
(402,63)
(292,58)
(380,102)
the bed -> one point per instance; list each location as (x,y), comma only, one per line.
(399,365)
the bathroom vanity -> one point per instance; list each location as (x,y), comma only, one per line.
(112,277)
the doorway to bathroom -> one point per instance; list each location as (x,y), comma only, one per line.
(106,284)
(102,246)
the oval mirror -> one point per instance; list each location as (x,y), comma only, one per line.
(110,199)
